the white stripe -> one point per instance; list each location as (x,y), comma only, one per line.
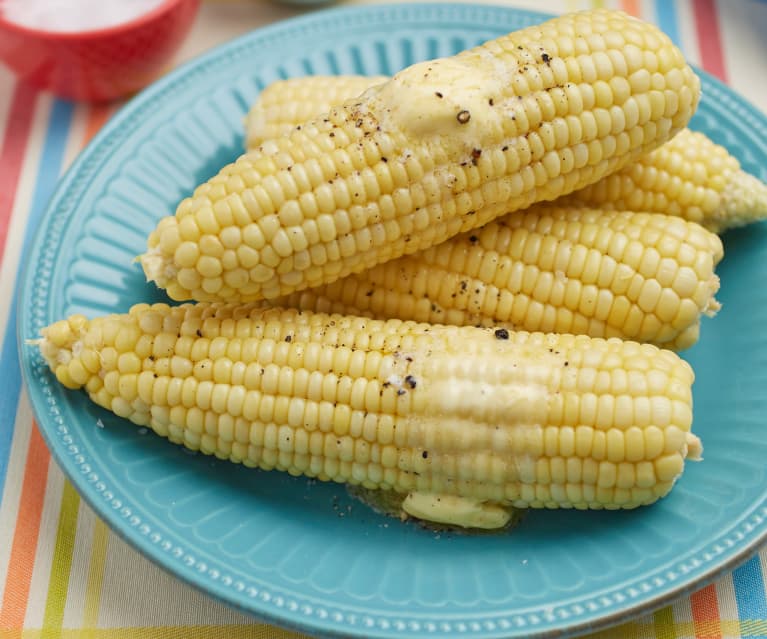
(647,11)
(11,497)
(128,576)
(46,547)
(74,608)
(22,204)
(685,19)
(741,25)
(681,612)
(725,596)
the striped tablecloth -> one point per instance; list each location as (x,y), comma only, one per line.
(62,572)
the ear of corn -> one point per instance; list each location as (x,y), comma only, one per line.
(640,276)
(442,147)
(287,103)
(496,418)
(689,176)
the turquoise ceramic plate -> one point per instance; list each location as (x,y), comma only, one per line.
(303,554)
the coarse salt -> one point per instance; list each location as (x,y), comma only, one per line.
(73,16)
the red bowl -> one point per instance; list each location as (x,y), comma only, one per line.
(99,64)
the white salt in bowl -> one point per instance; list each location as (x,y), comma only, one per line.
(96,55)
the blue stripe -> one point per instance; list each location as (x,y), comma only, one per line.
(48,174)
(668,20)
(749,595)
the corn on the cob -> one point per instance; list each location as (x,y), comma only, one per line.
(496,418)
(641,276)
(286,103)
(690,175)
(442,147)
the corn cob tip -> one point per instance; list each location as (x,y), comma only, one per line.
(61,346)
(694,450)
(744,200)
(158,268)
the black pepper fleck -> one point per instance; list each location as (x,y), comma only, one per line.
(288,338)
(410,381)
(463,116)
(438,94)
(501,333)
(425,454)
(545,57)
(473,238)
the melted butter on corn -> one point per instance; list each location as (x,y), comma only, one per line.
(448,102)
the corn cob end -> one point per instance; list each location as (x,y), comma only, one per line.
(62,348)
(744,200)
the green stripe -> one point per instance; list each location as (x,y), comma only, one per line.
(53,618)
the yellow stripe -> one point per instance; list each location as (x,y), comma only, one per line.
(250,631)
(95,577)
(663,621)
(631,630)
(624,631)
(53,617)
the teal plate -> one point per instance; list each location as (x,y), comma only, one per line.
(303,554)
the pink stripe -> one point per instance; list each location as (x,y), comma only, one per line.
(12,152)
(709,38)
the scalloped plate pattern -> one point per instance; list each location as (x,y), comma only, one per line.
(304,554)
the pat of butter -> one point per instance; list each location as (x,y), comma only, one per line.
(457,511)
(456,102)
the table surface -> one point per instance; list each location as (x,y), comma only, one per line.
(63,573)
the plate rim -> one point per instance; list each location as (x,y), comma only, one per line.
(386,14)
